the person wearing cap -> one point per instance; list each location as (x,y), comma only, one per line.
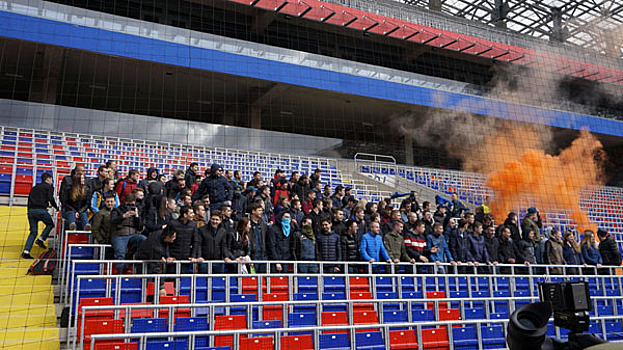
(609,249)
(532,220)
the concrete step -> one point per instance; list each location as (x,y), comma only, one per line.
(29,319)
(26,280)
(38,344)
(26,299)
(25,289)
(30,334)
(35,308)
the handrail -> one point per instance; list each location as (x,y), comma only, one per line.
(376,158)
(277,331)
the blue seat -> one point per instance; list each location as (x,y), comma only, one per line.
(303,297)
(149,325)
(613,330)
(384,284)
(387,295)
(465,337)
(493,337)
(423,315)
(334,284)
(302,319)
(408,284)
(334,307)
(178,344)
(85,253)
(307,284)
(369,340)
(266,324)
(399,316)
(338,341)
(476,313)
(184,324)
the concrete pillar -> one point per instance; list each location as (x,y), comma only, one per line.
(408,143)
(434,5)
(256,117)
(44,83)
(498,16)
(558,34)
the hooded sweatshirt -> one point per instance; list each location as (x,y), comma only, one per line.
(280,243)
(152,175)
(217,187)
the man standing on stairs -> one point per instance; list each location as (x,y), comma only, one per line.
(39,198)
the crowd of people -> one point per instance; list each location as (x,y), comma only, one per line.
(216,216)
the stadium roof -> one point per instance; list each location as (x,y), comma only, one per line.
(596,24)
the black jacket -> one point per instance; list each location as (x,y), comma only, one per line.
(506,251)
(329,247)
(350,247)
(218,188)
(339,228)
(262,229)
(301,189)
(233,246)
(458,245)
(153,222)
(183,246)
(493,246)
(153,248)
(524,251)
(280,247)
(41,196)
(609,251)
(210,244)
(63,193)
(190,177)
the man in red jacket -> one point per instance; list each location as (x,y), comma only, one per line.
(125,186)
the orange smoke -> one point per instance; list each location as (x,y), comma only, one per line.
(522,175)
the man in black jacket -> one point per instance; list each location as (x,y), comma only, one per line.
(126,224)
(257,237)
(156,247)
(182,248)
(329,247)
(217,187)
(191,174)
(39,198)
(608,248)
(210,242)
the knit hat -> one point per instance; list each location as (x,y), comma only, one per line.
(531,210)
(602,233)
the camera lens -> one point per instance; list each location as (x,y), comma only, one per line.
(527,326)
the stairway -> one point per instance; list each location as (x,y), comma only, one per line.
(27,312)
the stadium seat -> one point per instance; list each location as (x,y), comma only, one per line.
(464,338)
(257,343)
(369,341)
(297,342)
(116,346)
(493,337)
(402,340)
(435,338)
(178,344)
(338,341)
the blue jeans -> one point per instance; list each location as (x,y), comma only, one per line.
(70,217)
(216,268)
(34,217)
(123,244)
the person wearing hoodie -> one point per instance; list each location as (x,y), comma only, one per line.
(281,242)
(191,174)
(329,246)
(372,248)
(96,183)
(438,246)
(307,246)
(217,187)
(125,186)
(302,188)
(97,199)
(209,245)
(152,176)
(554,252)
(40,197)
(350,242)
(572,253)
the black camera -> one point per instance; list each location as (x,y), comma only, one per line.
(570,304)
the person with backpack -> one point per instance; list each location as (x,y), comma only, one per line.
(39,199)
(125,186)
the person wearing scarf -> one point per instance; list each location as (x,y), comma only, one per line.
(281,242)
(307,246)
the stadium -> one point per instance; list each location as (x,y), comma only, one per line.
(308,174)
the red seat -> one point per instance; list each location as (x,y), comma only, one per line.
(436,295)
(227,323)
(297,342)
(365,317)
(402,340)
(435,338)
(116,346)
(329,318)
(169,287)
(138,313)
(360,284)
(361,295)
(258,343)
(279,284)
(101,327)
(449,315)
(273,312)
(249,285)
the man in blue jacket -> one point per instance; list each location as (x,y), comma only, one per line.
(217,187)
(372,247)
(438,246)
